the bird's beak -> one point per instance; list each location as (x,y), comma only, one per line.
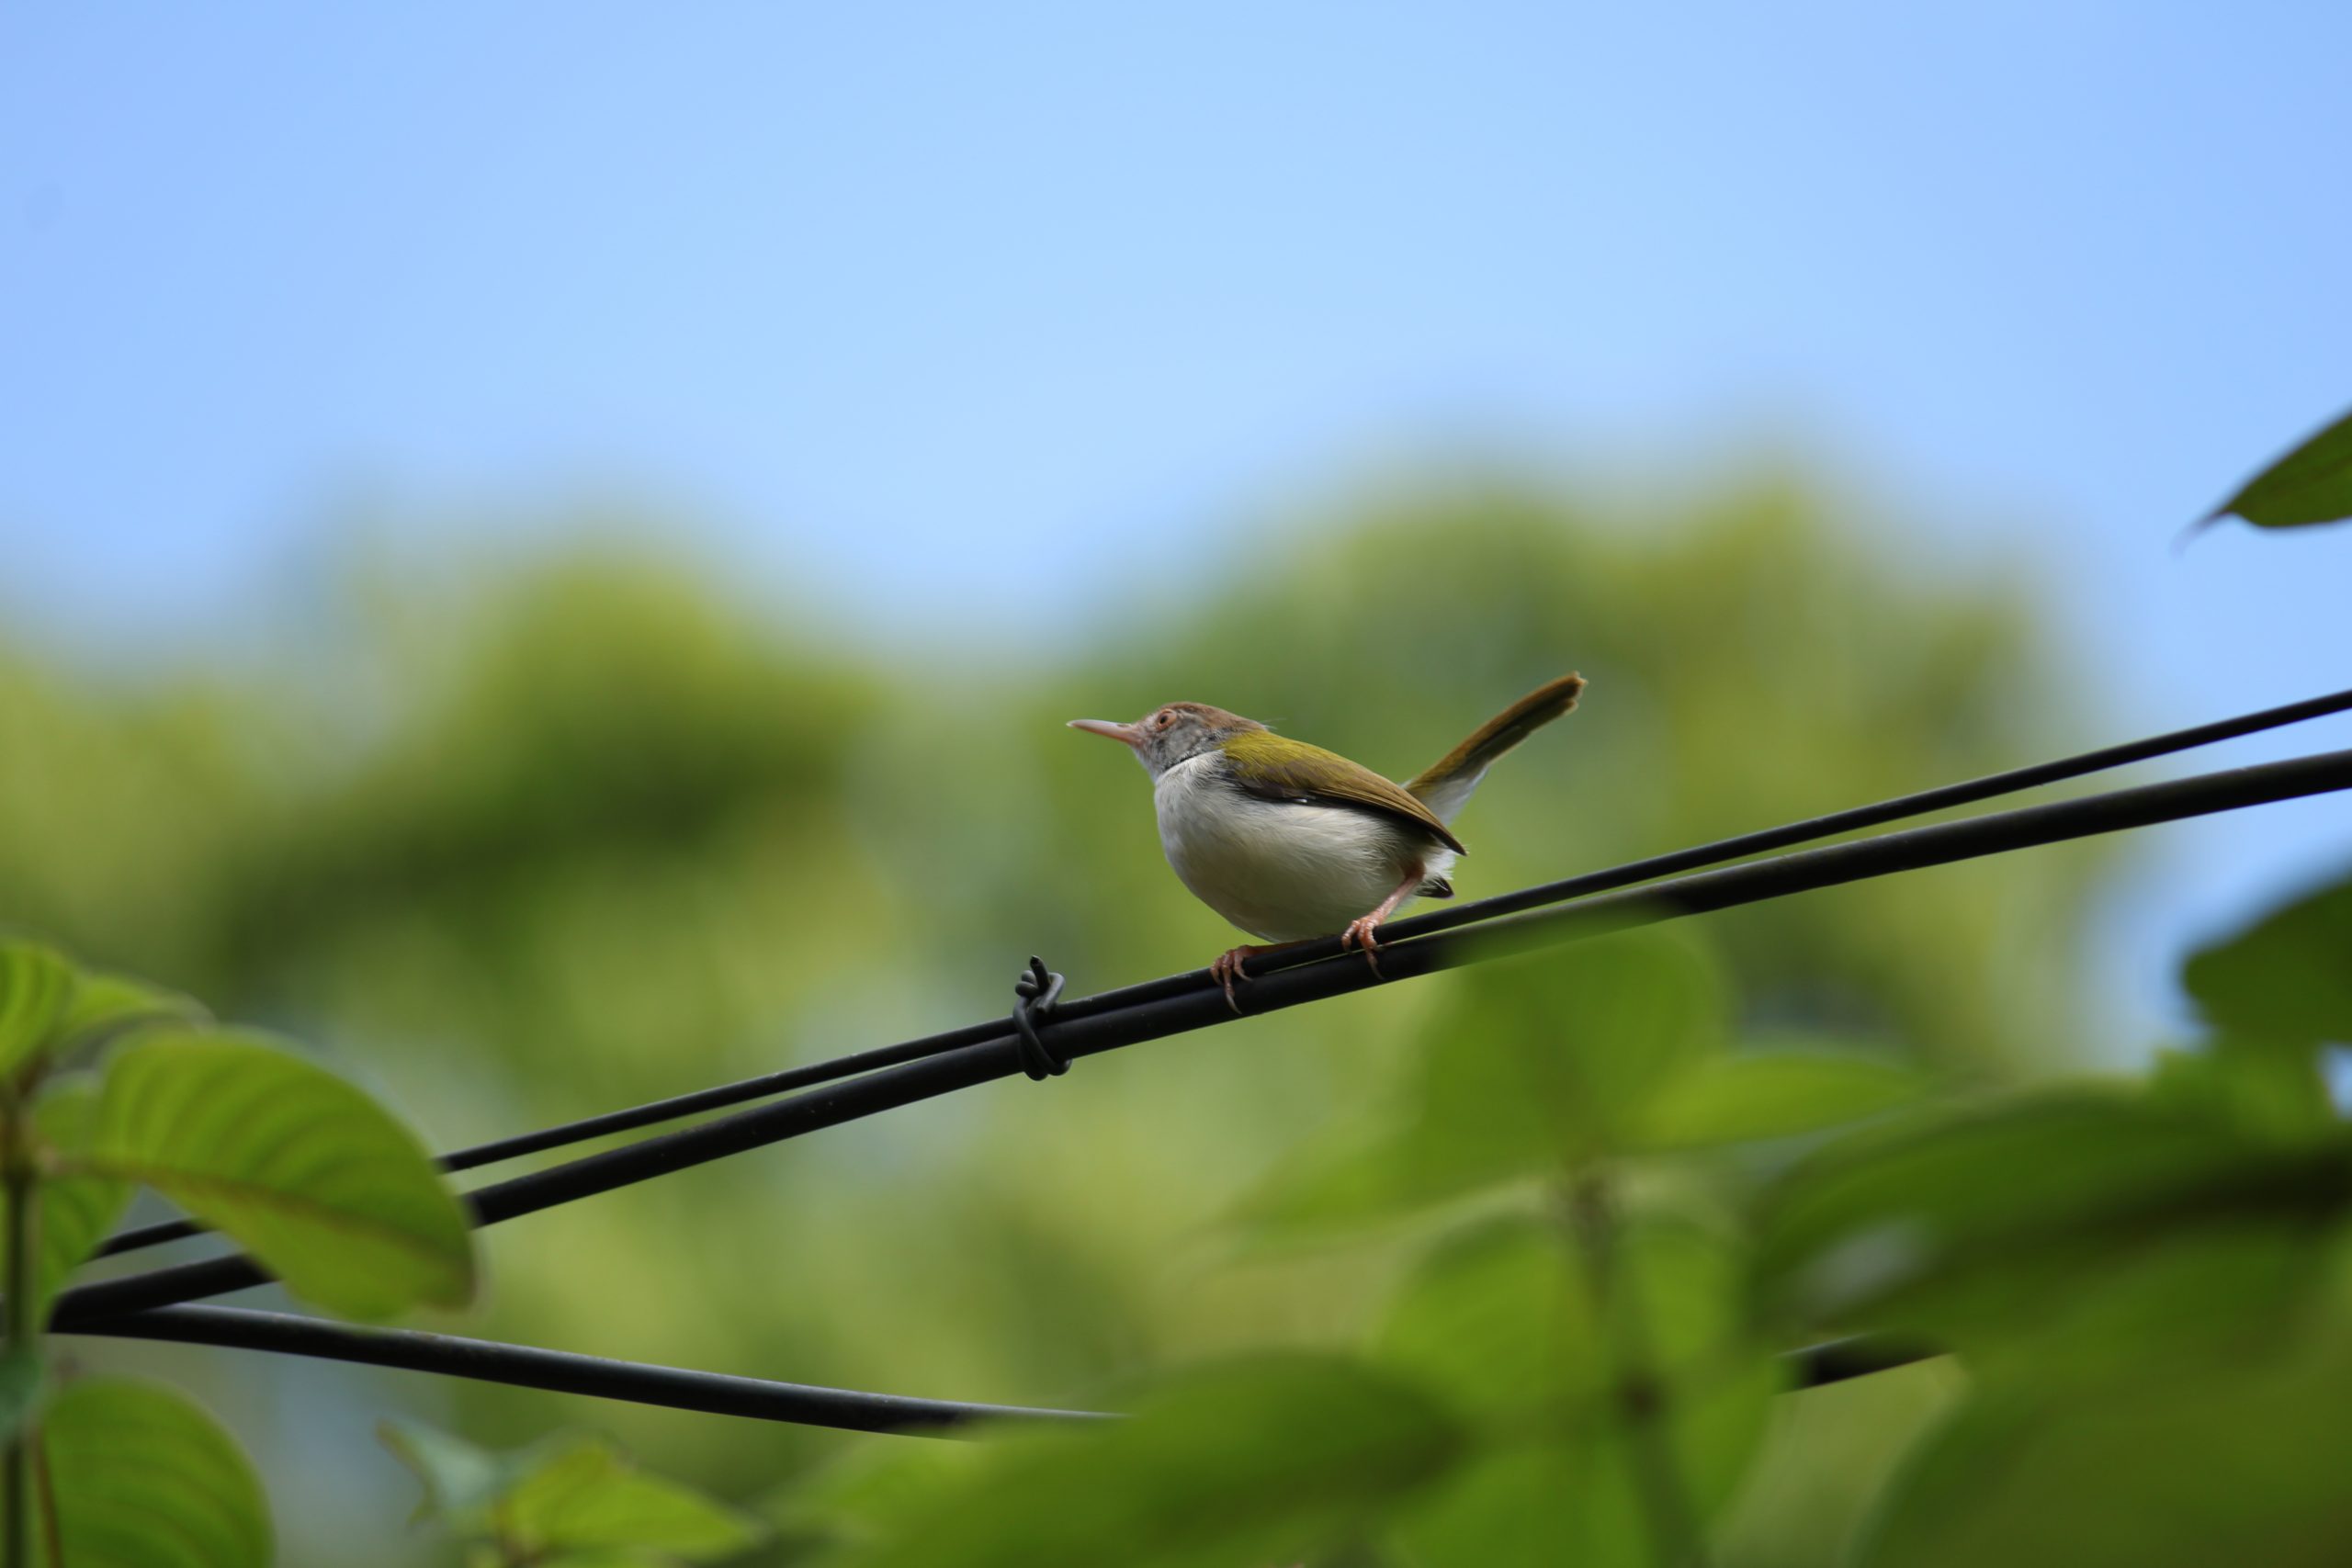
(1126,732)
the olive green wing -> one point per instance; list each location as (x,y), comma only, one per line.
(1274,767)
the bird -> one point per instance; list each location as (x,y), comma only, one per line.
(1290,842)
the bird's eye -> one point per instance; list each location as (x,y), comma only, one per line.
(1167,717)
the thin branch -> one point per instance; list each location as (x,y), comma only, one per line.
(1875,815)
(1077,1033)
(714,1394)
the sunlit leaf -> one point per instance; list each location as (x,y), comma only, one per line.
(331,1193)
(144,1478)
(584,1499)
(2310,484)
(1750,1095)
(2236,1462)
(1254,1461)
(2289,976)
(35,989)
(77,1209)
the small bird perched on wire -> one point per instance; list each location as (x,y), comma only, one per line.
(1290,842)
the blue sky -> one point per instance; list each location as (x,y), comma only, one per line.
(930,305)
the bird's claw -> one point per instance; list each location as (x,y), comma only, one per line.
(1226,969)
(1359,934)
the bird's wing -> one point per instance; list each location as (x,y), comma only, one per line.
(1274,767)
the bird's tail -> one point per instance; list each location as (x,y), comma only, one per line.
(1446,785)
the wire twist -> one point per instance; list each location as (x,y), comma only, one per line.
(1035,996)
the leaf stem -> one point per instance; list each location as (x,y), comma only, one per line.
(1638,1392)
(19,1316)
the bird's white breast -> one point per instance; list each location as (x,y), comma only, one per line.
(1280,870)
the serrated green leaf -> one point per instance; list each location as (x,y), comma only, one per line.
(2289,976)
(1754,1095)
(76,1210)
(35,989)
(144,1478)
(586,1497)
(328,1190)
(1260,1460)
(2310,484)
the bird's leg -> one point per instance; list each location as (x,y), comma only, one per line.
(1226,968)
(1360,930)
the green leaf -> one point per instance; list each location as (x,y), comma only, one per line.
(78,1210)
(1505,1323)
(863,1491)
(107,1006)
(35,989)
(1533,1066)
(586,1499)
(1753,1095)
(1260,1460)
(1533,1505)
(331,1193)
(144,1478)
(2026,1216)
(2310,484)
(1500,1320)
(2265,1089)
(1825,1462)
(2235,1463)
(459,1479)
(2287,978)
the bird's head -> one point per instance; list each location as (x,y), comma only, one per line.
(1172,733)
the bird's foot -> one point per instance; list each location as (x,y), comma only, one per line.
(1226,968)
(1359,934)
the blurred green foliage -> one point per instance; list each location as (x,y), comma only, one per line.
(2144,1281)
(566,1502)
(556,838)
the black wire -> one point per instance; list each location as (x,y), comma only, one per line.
(1075,1033)
(559,1372)
(1877,813)
(720,1393)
